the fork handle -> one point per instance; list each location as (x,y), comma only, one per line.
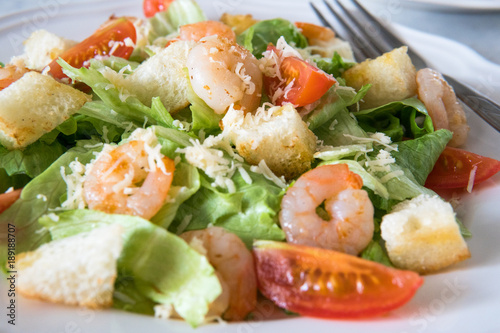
(482,105)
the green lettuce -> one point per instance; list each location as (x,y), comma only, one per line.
(160,265)
(179,12)
(250,212)
(335,66)
(419,155)
(336,99)
(258,36)
(406,118)
(38,197)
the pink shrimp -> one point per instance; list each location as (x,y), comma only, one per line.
(234,266)
(350,225)
(119,182)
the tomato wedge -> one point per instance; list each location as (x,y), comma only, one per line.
(328,284)
(109,39)
(7,199)
(454,167)
(308,82)
(151,7)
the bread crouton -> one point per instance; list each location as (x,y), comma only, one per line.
(276,135)
(392,76)
(422,235)
(238,22)
(41,48)
(34,105)
(78,270)
(163,76)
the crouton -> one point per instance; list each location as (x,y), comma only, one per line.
(422,235)
(238,22)
(78,270)
(41,48)
(392,76)
(276,135)
(34,105)
(163,76)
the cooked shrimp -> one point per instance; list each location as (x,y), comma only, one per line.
(441,103)
(197,31)
(223,73)
(10,74)
(350,227)
(234,266)
(123,181)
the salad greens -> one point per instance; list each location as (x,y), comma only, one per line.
(156,266)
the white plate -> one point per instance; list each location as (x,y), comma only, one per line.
(461,299)
(453,5)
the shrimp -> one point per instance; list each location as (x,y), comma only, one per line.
(441,103)
(10,74)
(197,31)
(122,181)
(350,227)
(223,73)
(234,266)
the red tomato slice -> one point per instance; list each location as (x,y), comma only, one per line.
(309,82)
(329,284)
(7,199)
(151,7)
(454,166)
(109,39)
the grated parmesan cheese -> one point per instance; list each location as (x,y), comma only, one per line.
(263,169)
(472,176)
(74,183)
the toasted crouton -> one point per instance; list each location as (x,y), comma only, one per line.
(78,270)
(34,105)
(422,235)
(276,135)
(392,76)
(163,76)
(41,48)
(238,22)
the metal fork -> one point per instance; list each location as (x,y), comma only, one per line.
(370,38)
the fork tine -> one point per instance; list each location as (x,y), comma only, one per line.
(388,40)
(345,36)
(358,38)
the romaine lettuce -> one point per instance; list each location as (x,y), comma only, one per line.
(258,36)
(162,266)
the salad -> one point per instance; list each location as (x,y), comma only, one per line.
(153,154)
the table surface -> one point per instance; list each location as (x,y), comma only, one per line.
(477,29)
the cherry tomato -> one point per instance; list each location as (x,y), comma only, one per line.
(109,39)
(328,284)
(313,31)
(309,82)
(7,199)
(454,166)
(151,7)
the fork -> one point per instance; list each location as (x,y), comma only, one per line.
(353,25)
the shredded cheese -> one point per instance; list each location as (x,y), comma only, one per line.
(472,176)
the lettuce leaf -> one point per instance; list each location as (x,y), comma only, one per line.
(258,36)
(179,12)
(31,161)
(128,106)
(333,132)
(250,212)
(335,66)
(420,155)
(38,196)
(406,118)
(162,266)
(336,99)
